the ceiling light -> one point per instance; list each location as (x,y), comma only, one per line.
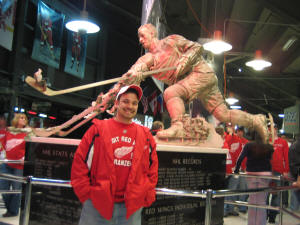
(281,115)
(235,107)
(83,24)
(258,63)
(217,46)
(231,100)
(42,115)
(289,43)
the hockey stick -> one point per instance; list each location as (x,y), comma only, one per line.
(65,133)
(41,132)
(32,82)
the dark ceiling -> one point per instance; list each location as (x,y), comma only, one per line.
(249,25)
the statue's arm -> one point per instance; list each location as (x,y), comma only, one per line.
(134,74)
(190,54)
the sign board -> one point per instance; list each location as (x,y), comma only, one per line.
(180,167)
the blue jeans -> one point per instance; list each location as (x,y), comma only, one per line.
(11,201)
(244,198)
(274,198)
(257,216)
(90,216)
(295,200)
(234,184)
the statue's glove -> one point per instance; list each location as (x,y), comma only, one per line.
(133,77)
(135,74)
(104,101)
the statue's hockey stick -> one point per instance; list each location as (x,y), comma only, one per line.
(65,133)
(47,91)
(93,110)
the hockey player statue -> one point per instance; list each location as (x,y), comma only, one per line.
(191,79)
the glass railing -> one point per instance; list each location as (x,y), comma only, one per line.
(206,194)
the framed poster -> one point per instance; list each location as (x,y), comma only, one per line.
(76,53)
(7,22)
(48,36)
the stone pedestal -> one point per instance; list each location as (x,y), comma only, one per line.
(180,167)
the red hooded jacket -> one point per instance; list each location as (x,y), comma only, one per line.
(280,158)
(93,172)
(14,145)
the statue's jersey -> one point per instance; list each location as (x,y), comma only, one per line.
(171,51)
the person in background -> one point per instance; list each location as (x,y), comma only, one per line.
(221,132)
(283,136)
(258,163)
(236,142)
(294,163)
(2,136)
(115,167)
(280,166)
(242,184)
(157,126)
(15,150)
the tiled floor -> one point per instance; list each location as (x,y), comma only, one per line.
(242,220)
(231,220)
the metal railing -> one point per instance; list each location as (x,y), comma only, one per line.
(207,194)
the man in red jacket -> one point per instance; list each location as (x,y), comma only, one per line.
(280,166)
(115,168)
(236,142)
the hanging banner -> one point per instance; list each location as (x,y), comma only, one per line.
(76,54)
(291,119)
(7,22)
(48,36)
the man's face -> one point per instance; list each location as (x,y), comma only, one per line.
(145,37)
(127,107)
(240,133)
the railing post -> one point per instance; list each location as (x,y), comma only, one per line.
(208,207)
(281,200)
(26,212)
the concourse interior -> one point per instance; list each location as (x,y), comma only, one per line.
(268,27)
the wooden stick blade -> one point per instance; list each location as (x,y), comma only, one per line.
(32,83)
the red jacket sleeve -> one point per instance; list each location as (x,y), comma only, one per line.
(286,156)
(80,179)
